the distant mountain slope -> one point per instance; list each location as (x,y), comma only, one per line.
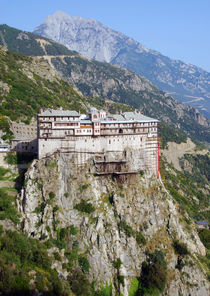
(187,83)
(97,79)
(28,84)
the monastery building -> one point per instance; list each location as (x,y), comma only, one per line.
(125,142)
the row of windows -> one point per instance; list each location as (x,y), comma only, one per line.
(66,124)
(124,125)
(55,118)
(84,131)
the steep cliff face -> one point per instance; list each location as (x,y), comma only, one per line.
(107,225)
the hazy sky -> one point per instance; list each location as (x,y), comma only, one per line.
(179,29)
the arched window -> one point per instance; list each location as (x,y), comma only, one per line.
(120,131)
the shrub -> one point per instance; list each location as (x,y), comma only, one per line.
(80,284)
(180,248)
(117,263)
(83,187)
(124,226)
(7,209)
(40,186)
(84,264)
(121,280)
(133,287)
(61,233)
(140,238)
(11,158)
(51,195)
(153,274)
(104,291)
(73,230)
(205,237)
(5,128)
(55,209)
(85,207)
(57,256)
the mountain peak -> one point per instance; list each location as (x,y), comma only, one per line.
(59,14)
(89,37)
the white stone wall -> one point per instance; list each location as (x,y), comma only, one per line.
(142,149)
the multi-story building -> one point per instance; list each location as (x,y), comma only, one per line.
(129,138)
(25,138)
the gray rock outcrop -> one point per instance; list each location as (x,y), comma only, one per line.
(120,210)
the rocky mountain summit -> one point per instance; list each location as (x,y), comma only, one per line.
(187,83)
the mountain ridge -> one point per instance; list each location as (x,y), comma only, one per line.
(187,83)
(103,80)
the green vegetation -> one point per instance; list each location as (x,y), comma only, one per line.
(7,207)
(140,238)
(189,187)
(3,172)
(117,263)
(27,96)
(180,248)
(205,237)
(126,228)
(104,291)
(25,43)
(83,187)
(134,287)
(153,276)
(5,128)
(57,256)
(81,286)
(200,165)
(85,207)
(170,134)
(73,230)
(52,164)
(51,195)
(84,263)
(11,158)
(19,256)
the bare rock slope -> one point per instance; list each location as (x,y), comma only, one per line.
(102,219)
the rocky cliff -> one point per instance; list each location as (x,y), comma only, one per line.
(107,227)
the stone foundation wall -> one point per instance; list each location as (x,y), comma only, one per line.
(142,150)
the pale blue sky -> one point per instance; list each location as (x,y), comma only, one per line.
(179,29)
